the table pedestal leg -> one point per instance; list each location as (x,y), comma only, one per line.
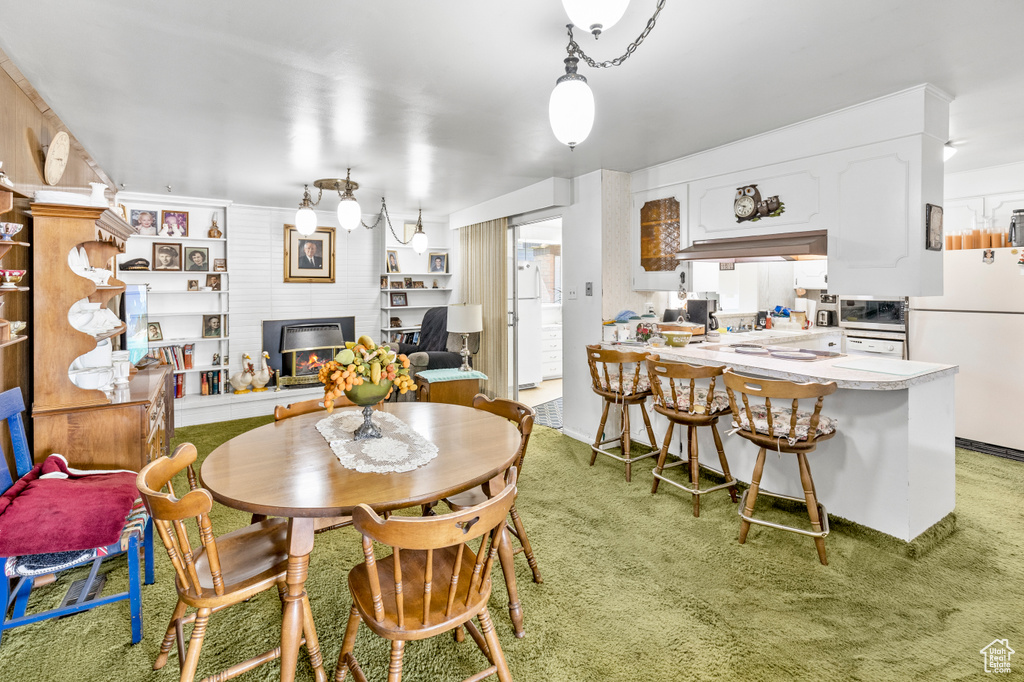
(294,620)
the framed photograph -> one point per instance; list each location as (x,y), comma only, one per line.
(408,282)
(211,326)
(145,220)
(213,281)
(173,224)
(309,258)
(220,264)
(383,281)
(197,258)
(933,227)
(193,285)
(154,332)
(393,262)
(397,284)
(396,322)
(439,262)
(166,256)
(398,300)
(418,285)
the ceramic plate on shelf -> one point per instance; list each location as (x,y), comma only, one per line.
(793,355)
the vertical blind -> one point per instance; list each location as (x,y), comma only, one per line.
(483,280)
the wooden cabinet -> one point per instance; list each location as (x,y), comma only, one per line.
(658,221)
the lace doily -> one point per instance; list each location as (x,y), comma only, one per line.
(400,449)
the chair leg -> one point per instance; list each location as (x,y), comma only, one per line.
(600,434)
(733,490)
(348,644)
(170,636)
(626,443)
(662,456)
(395,666)
(150,567)
(647,423)
(691,441)
(135,588)
(525,542)
(812,504)
(755,484)
(508,568)
(491,637)
(195,645)
(316,659)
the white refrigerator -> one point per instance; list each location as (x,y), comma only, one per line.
(978,324)
(529,299)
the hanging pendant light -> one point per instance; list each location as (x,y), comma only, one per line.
(595,15)
(419,238)
(349,213)
(571,107)
(305,217)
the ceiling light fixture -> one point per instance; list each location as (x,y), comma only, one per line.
(948,151)
(349,212)
(571,107)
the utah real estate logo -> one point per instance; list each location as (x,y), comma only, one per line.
(997,656)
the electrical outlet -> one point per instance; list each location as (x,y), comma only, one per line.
(590,289)
(572,294)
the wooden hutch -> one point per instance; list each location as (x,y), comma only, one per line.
(89,427)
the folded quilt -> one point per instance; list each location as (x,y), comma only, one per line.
(54,508)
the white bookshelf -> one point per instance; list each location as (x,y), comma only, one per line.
(416,267)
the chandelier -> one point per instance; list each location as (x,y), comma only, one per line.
(571,107)
(349,212)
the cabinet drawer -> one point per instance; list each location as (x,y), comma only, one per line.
(551,356)
(551,334)
(551,344)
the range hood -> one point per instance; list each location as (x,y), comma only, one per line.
(786,246)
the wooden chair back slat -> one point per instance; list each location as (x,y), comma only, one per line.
(399,597)
(169,514)
(428,579)
(453,586)
(599,359)
(783,390)
(684,375)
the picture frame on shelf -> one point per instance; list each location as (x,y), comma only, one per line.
(399,299)
(396,322)
(309,258)
(220,264)
(153,332)
(435,285)
(398,284)
(145,220)
(383,281)
(408,282)
(392,264)
(438,262)
(418,285)
(933,227)
(211,326)
(197,259)
(193,285)
(173,224)
(213,281)
(166,257)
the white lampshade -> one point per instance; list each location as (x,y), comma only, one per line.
(465,318)
(305,221)
(349,213)
(419,242)
(571,110)
(595,15)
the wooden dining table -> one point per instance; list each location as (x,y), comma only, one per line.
(287,469)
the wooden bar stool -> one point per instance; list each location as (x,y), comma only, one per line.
(783,429)
(692,405)
(621,387)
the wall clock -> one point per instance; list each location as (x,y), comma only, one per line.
(748,205)
(57,155)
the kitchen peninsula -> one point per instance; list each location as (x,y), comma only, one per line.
(891,465)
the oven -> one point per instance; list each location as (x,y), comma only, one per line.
(874,326)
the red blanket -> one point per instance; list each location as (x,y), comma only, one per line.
(78,510)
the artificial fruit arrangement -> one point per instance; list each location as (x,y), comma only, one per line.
(363,363)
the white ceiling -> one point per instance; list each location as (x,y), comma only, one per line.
(441,105)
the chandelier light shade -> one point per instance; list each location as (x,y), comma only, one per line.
(419,240)
(595,15)
(571,107)
(349,213)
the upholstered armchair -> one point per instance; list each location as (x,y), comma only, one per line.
(437,348)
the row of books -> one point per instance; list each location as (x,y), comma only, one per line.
(178,356)
(405,337)
(210,383)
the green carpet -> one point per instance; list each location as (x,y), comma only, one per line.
(635,589)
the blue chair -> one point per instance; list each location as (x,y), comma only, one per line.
(20,572)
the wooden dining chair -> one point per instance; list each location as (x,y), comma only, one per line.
(784,428)
(223,572)
(432,582)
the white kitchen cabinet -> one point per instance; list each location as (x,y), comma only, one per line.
(551,352)
(658,280)
(810,274)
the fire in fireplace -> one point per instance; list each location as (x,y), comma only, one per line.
(305,347)
(310,361)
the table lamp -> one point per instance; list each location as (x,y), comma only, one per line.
(465,319)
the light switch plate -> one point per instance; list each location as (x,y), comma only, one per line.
(572,294)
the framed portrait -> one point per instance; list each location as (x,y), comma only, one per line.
(933,227)
(399,299)
(166,256)
(309,258)
(393,262)
(418,285)
(383,281)
(193,285)
(154,332)
(211,327)
(197,259)
(173,224)
(408,282)
(396,322)
(438,262)
(147,221)
(213,281)
(397,284)
(220,264)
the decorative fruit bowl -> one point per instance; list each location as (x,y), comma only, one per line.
(367,374)
(8,230)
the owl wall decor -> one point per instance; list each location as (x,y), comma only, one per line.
(748,205)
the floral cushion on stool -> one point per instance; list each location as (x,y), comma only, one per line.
(642,386)
(719,403)
(780,422)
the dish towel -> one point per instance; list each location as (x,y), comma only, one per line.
(400,449)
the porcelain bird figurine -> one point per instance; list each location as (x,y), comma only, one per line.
(241,381)
(263,376)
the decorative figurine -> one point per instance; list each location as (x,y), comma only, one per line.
(241,381)
(264,375)
(215,232)
(216,359)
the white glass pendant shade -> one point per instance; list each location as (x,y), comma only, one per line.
(419,242)
(595,15)
(349,213)
(305,221)
(571,110)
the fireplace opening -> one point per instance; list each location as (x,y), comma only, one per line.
(307,347)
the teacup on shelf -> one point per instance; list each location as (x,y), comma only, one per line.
(18,326)
(12,277)
(8,230)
